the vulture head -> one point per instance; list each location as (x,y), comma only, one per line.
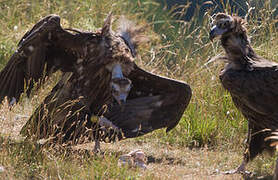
(223,24)
(233,36)
(117,52)
(124,44)
(120,85)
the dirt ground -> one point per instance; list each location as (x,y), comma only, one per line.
(167,162)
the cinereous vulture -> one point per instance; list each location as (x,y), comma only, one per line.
(252,82)
(102,94)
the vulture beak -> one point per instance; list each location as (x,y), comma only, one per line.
(120,85)
(216,31)
(122,98)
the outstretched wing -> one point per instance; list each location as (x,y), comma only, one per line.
(154,102)
(41,51)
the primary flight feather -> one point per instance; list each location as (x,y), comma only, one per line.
(102,94)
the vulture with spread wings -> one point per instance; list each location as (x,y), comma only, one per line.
(253,84)
(102,94)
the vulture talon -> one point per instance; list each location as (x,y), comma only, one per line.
(240,170)
(98,68)
(106,124)
(237,171)
(96,149)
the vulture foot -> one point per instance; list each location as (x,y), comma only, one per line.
(240,170)
(236,171)
(106,124)
(96,149)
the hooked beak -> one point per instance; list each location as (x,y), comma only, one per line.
(121,89)
(121,98)
(120,85)
(216,31)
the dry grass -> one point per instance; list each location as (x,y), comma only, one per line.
(169,162)
(210,135)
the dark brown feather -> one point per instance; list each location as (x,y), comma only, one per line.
(67,113)
(39,47)
(252,82)
(154,102)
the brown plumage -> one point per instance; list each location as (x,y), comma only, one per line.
(252,82)
(102,94)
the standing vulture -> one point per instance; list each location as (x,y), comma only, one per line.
(102,94)
(253,84)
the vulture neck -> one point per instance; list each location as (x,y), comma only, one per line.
(239,51)
(117,72)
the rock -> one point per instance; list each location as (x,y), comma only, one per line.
(136,158)
(2,169)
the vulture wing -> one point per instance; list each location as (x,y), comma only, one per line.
(42,50)
(67,114)
(255,93)
(154,102)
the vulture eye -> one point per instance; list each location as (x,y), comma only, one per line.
(223,24)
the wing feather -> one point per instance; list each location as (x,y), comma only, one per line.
(19,82)
(255,93)
(43,46)
(154,102)
(258,89)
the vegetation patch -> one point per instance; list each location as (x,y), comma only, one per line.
(208,139)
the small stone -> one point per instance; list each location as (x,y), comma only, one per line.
(133,159)
(2,169)
(125,160)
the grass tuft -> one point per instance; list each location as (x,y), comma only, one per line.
(211,126)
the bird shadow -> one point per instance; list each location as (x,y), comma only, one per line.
(165,160)
(259,177)
(254,176)
(151,159)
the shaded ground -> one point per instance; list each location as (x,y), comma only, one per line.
(168,162)
(164,161)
